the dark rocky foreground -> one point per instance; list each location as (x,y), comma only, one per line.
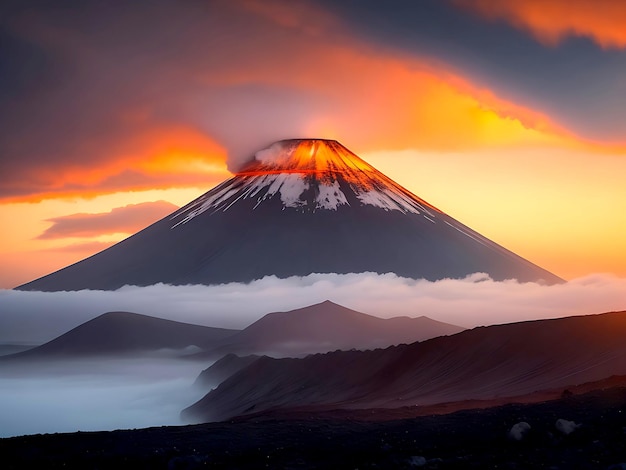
(465,439)
(485,363)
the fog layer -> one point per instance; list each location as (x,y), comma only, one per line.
(27,317)
(111,394)
(94,395)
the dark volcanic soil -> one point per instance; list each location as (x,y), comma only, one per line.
(465,439)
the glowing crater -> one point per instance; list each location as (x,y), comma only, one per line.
(290,168)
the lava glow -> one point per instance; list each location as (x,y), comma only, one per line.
(324,160)
(305,156)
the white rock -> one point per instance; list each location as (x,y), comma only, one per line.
(417,461)
(519,430)
(566,427)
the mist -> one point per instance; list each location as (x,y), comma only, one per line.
(107,394)
(37,317)
(95,395)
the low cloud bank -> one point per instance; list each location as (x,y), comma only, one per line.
(111,394)
(34,317)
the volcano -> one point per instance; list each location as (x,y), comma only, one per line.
(300,206)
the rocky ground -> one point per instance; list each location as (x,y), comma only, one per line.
(480,438)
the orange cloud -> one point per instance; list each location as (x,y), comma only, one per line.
(553,20)
(157,159)
(370,102)
(370,99)
(128,219)
(413,106)
(83,249)
(296,72)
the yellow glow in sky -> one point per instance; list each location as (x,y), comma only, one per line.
(564,210)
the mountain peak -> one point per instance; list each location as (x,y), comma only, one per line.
(307,156)
(308,175)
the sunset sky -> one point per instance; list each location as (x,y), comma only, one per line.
(509,115)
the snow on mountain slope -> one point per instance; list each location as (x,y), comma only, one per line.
(290,169)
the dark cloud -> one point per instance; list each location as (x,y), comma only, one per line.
(86,86)
(127,219)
